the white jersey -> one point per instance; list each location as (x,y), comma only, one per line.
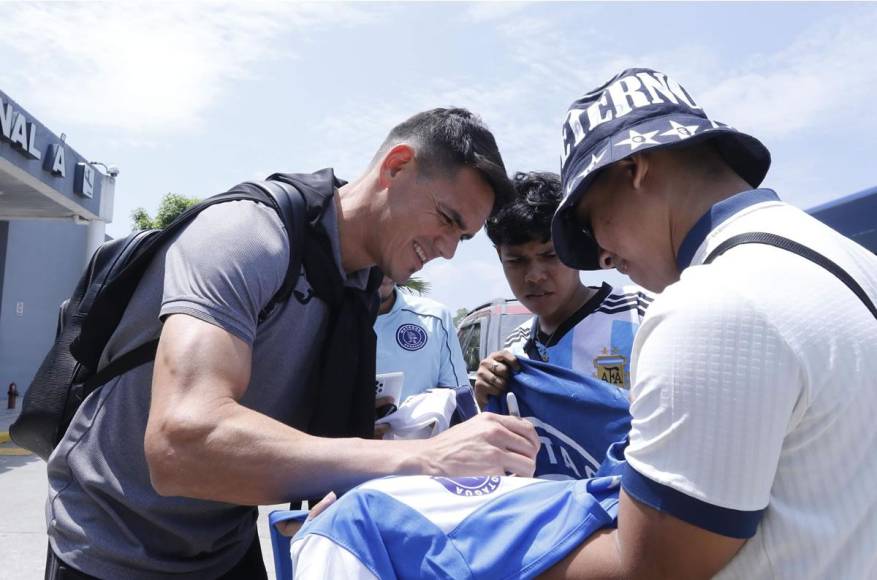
(417,337)
(755,395)
(595,341)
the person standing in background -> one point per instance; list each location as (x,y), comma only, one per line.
(416,336)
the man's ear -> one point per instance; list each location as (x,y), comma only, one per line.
(638,169)
(394,161)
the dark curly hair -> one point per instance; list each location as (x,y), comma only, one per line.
(527,217)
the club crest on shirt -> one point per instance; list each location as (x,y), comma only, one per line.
(610,368)
(470,486)
(411,336)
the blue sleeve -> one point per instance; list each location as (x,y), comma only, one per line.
(724,521)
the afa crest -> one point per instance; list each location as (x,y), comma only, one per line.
(611,369)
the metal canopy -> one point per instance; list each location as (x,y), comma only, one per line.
(23,197)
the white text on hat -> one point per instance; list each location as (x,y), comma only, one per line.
(618,99)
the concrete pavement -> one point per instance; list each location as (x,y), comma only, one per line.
(23,490)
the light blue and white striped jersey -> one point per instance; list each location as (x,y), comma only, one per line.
(479,527)
(596,341)
(455,528)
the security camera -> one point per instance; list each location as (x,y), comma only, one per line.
(110,170)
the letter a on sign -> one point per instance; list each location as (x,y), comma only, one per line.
(59,167)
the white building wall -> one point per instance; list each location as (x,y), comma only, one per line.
(44,260)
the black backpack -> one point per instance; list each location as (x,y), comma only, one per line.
(88,319)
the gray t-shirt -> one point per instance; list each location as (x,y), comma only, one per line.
(103,515)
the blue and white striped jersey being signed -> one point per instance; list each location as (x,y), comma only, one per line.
(455,528)
(484,527)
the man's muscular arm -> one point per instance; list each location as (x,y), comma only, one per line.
(200,442)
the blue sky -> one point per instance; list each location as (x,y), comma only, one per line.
(195,97)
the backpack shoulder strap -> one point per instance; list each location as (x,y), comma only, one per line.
(796,248)
(130,360)
(291,208)
(150,246)
(283,198)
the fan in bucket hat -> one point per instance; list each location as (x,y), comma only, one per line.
(637,109)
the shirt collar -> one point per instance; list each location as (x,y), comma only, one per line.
(397,303)
(717,214)
(400,300)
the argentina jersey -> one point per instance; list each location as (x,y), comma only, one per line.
(596,340)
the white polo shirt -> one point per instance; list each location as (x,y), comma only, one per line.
(417,337)
(754,397)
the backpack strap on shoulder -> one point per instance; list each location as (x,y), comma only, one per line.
(284,199)
(292,210)
(796,248)
(130,360)
(146,251)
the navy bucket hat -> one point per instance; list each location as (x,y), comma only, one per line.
(637,109)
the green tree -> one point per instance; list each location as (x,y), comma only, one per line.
(416,285)
(460,315)
(171,206)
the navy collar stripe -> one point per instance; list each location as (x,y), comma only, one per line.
(718,214)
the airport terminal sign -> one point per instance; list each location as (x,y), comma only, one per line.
(18,130)
(45,155)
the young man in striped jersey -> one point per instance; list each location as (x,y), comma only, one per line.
(587,329)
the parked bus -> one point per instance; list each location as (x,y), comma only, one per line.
(855,216)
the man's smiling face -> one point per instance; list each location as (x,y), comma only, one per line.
(428,215)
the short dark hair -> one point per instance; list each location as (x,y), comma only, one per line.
(527,217)
(451,138)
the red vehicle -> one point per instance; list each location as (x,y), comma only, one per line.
(485,329)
